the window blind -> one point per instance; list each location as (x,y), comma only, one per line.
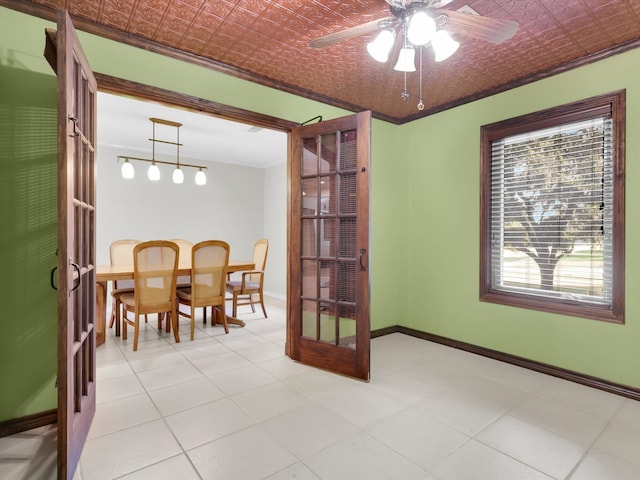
(552,212)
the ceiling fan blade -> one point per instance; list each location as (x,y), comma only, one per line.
(336,37)
(492,30)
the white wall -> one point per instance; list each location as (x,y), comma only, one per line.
(237,205)
(275,228)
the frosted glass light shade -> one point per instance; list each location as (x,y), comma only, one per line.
(201,178)
(381,46)
(178,176)
(127,170)
(406,60)
(154,172)
(443,45)
(421,28)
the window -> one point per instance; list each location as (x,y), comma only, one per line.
(552,201)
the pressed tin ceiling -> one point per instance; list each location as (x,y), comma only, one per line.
(267,41)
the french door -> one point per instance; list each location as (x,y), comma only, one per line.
(328,300)
(76,242)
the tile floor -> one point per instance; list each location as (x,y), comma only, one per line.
(234,407)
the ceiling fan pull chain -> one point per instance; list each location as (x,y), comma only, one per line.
(404,95)
(420,103)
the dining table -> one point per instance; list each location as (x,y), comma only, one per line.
(111,273)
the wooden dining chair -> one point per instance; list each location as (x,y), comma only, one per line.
(209,261)
(120,254)
(185,246)
(251,281)
(155,267)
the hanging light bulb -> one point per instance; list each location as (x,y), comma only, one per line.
(443,45)
(406,60)
(201,178)
(178,176)
(381,46)
(421,28)
(127,170)
(154,172)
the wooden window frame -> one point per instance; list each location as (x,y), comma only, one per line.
(564,114)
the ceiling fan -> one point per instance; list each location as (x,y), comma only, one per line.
(417,23)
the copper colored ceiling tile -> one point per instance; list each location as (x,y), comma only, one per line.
(268,41)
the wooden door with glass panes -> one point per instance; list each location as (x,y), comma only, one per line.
(77,89)
(328,301)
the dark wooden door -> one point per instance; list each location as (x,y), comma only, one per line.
(328,298)
(76,242)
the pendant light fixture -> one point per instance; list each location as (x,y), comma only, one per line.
(153,173)
(178,176)
(201,178)
(127,170)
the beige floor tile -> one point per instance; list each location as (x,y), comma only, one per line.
(295,472)
(600,466)
(242,379)
(235,407)
(118,387)
(168,376)
(474,461)
(361,457)
(534,446)
(176,398)
(123,413)
(174,468)
(307,430)
(621,441)
(270,400)
(249,454)
(583,398)
(116,454)
(208,422)
(417,437)
(560,418)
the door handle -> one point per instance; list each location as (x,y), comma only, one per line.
(363,253)
(77,267)
(53,277)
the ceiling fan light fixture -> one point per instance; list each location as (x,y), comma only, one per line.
(443,45)
(421,28)
(381,46)
(406,60)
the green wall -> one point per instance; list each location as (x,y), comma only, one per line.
(443,274)
(424,204)
(28,240)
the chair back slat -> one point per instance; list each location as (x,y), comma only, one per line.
(155,267)
(185,247)
(121,254)
(208,272)
(260,250)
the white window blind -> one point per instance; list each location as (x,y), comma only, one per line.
(552,212)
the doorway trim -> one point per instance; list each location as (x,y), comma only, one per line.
(110,84)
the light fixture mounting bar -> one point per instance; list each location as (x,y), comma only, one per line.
(165,141)
(165,122)
(125,157)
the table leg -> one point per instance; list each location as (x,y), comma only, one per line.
(230,320)
(235,321)
(101,312)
